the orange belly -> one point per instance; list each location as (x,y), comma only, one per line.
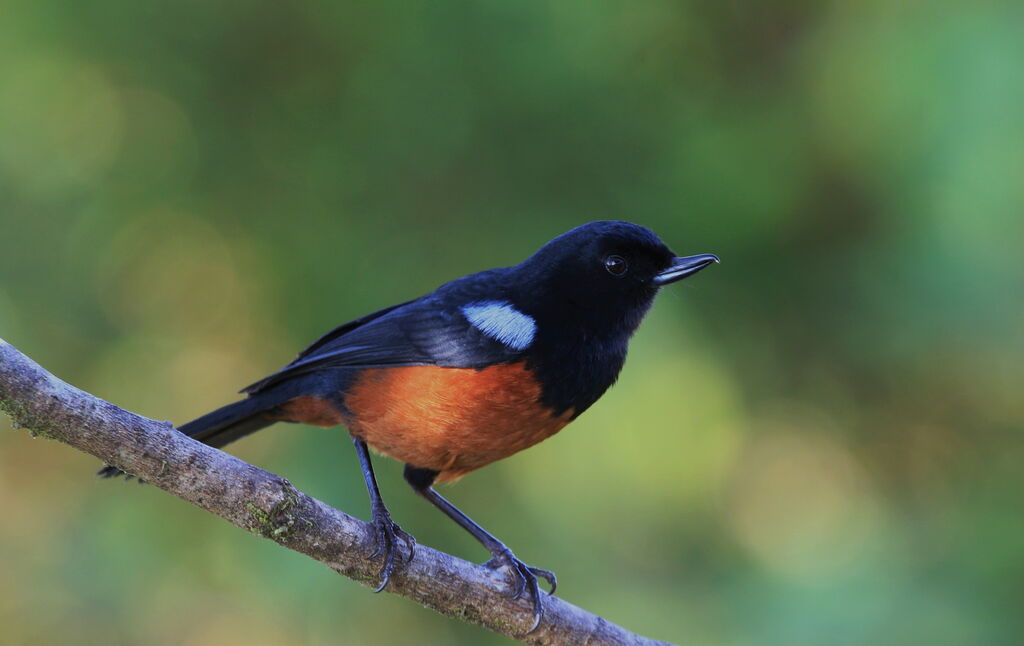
(450,420)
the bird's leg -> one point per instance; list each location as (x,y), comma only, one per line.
(388,530)
(523,574)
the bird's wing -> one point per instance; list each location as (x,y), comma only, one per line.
(344,329)
(427,331)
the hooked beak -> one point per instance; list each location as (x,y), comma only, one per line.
(683,267)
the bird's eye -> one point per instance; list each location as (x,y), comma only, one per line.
(616,265)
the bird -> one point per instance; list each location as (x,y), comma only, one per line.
(479,369)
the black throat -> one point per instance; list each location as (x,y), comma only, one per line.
(574,376)
(578,353)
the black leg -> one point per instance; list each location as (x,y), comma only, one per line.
(388,530)
(525,575)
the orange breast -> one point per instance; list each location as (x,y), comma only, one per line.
(450,420)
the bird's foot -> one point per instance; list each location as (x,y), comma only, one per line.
(525,576)
(388,533)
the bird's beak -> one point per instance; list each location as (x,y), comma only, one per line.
(683,267)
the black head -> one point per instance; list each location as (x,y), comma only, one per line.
(605,274)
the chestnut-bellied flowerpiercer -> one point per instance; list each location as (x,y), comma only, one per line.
(481,368)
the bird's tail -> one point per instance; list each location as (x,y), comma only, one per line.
(222,426)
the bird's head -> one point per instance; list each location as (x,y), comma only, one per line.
(604,274)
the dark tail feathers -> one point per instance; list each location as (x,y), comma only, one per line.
(221,427)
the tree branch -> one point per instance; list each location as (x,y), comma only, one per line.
(268,505)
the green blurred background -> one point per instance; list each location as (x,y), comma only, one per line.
(816,442)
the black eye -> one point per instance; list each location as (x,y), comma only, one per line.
(616,265)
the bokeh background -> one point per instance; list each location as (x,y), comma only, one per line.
(816,442)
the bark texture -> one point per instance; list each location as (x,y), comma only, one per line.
(268,505)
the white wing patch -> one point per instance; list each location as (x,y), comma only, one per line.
(502,322)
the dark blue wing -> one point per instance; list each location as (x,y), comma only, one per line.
(428,331)
(343,329)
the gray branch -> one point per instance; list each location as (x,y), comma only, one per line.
(268,505)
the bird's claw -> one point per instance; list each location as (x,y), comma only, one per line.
(525,576)
(388,533)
